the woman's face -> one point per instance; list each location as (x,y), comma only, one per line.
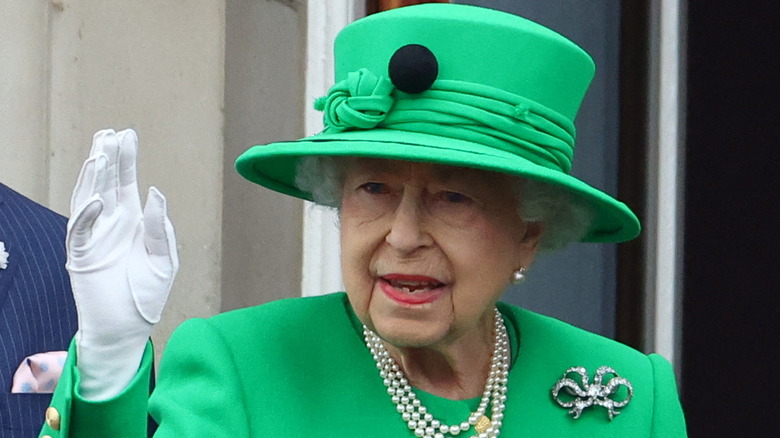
(428,249)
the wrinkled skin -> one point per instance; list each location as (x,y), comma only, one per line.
(427,250)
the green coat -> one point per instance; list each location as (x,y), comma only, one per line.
(299,368)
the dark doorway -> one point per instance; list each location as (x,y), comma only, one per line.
(730,307)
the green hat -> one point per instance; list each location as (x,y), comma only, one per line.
(456,85)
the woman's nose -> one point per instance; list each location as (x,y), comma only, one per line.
(408,231)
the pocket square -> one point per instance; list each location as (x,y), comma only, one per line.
(39,373)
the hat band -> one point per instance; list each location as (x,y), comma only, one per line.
(453,109)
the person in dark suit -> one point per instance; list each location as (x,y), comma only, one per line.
(37,312)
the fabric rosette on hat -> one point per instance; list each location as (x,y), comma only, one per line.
(454,85)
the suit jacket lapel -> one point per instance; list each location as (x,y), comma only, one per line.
(7,274)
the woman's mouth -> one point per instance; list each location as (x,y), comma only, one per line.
(411,289)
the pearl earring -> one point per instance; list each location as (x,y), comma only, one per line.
(518,277)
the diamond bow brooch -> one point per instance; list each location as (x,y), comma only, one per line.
(578,393)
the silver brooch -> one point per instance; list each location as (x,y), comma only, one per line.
(581,394)
(3,256)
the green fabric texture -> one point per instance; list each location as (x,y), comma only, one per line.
(126,414)
(504,99)
(299,367)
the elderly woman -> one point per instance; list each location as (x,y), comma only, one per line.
(447,147)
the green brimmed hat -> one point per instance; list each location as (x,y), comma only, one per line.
(456,85)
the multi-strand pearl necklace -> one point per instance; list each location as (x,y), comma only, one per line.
(420,421)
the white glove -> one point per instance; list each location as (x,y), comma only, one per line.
(122,262)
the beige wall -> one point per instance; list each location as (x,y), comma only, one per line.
(24,64)
(200,80)
(263,103)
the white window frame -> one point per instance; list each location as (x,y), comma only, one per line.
(321,271)
(665,173)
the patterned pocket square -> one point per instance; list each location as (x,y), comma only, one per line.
(39,373)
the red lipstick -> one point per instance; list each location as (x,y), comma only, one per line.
(411,289)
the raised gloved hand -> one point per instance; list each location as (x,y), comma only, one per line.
(122,261)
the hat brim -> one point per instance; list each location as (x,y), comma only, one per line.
(274,166)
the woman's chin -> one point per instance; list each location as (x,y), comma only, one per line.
(406,336)
(410,320)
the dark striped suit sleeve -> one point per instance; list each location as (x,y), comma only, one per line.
(37,312)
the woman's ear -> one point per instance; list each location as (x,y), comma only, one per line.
(529,243)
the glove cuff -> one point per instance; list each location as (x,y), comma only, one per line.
(107,368)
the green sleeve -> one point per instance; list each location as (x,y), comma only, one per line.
(199,392)
(668,419)
(122,416)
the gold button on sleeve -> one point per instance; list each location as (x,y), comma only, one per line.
(53,418)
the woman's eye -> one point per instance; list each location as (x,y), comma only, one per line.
(375,188)
(455,197)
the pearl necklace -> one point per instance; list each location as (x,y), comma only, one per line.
(417,417)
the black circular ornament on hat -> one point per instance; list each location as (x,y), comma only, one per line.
(413,68)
